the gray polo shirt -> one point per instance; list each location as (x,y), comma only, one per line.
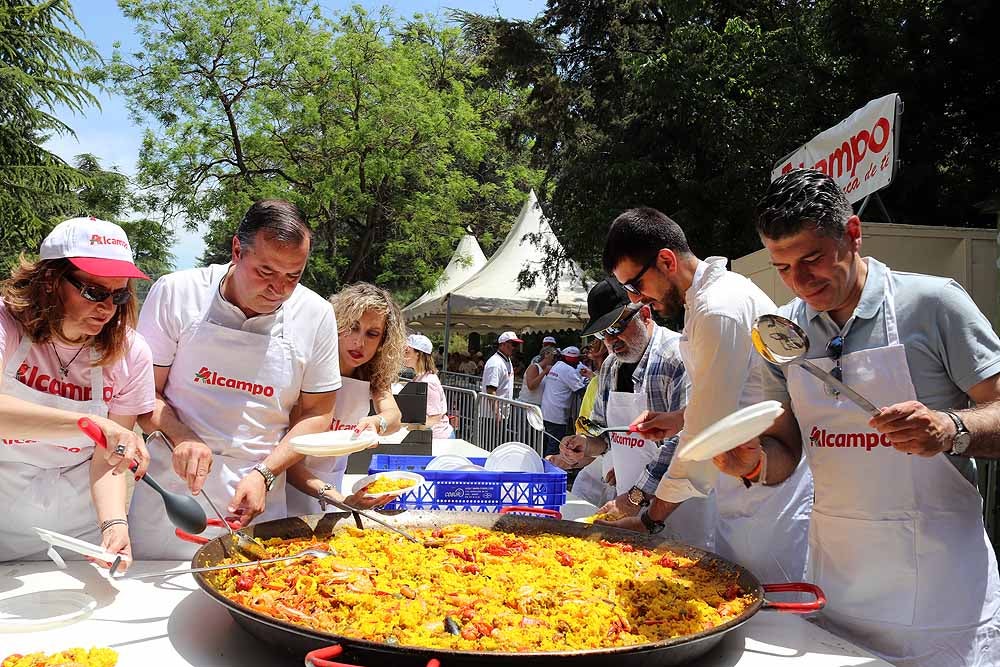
(950,345)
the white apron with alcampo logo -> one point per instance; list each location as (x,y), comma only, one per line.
(352,406)
(235,389)
(896,542)
(694,521)
(47,484)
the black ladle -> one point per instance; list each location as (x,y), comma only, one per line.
(183,511)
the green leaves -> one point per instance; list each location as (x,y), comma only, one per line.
(377,129)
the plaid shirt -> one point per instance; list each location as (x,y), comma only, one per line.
(661,376)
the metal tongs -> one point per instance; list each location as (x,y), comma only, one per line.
(347,508)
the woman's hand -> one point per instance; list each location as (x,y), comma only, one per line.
(358,500)
(124,446)
(371,423)
(115,539)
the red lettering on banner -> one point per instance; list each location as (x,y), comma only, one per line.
(846,157)
(868,441)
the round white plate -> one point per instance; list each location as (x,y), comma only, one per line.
(448,462)
(392,474)
(731,431)
(333,443)
(514,457)
(45,609)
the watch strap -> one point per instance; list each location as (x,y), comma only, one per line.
(267,474)
(651,524)
(958,447)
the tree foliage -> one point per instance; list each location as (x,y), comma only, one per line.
(374,126)
(686,106)
(41,68)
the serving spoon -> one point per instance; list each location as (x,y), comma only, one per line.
(311,552)
(783,343)
(183,511)
(595,430)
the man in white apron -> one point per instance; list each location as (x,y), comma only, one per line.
(897,540)
(235,348)
(763,529)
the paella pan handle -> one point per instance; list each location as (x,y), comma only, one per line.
(198,539)
(795,607)
(319,658)
(540,511)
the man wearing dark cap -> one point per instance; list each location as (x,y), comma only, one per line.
(643,372)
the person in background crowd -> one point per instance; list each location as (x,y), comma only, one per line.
(763,528)
(897,542)
(561,381)
(417,356)
(534,378)
(68,350)
(371,343)
(468,365)
(235,347)
(498,374)
(597,354)
(548,343)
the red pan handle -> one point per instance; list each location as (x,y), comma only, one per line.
(198,539)
(541,511)
(318,658)
(795,607)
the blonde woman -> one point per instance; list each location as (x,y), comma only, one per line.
(371,339)
(418,357)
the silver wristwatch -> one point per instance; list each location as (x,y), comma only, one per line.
(962,438)
(322,496)
(266,473)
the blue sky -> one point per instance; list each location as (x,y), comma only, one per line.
(108,132)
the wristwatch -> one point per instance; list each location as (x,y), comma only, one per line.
(322,496)
(266,473)
(651,525)
(636,497)
(382,424)
(962,438)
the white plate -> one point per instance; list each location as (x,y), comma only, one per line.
(448,462)
(79,546)
(514,457)
(333,443)
(731,431)
(392,474)
(45,609)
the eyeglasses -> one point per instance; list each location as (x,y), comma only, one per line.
(119,297)
(633,286)
(621,323)
(835,350)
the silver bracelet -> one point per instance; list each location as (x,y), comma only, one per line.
(113,522)
(322,497)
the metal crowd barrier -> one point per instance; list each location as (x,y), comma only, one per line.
(452,379)
(463,409)
(503,420)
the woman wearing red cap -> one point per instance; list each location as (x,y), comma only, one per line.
(67,350)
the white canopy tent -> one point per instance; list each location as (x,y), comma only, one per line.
(466,261)
(492,301)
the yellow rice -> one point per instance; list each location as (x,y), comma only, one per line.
(499,591)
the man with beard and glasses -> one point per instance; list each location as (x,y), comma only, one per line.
(763,528)
(644,371)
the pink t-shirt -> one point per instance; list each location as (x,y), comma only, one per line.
(437,404)
(129,388)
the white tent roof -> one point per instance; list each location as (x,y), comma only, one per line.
(467,260)
(491,300)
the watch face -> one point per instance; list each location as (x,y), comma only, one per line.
(961,443)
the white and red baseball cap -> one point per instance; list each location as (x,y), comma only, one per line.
(508,336)
(549,339)
(96,246)
(571,352)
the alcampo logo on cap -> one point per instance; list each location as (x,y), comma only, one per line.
(97,239)
(868,441)
(208,376)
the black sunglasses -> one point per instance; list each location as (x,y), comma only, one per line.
(621,323)
(633,285)
(119,297)
(835,350)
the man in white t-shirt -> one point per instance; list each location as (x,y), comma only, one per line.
(235,348)
(562,380)
(498,374)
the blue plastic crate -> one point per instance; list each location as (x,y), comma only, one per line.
(472,490)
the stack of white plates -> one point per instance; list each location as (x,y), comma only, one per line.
(445,462)
(514,457)
(333,443)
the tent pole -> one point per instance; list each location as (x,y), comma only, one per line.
(447,332)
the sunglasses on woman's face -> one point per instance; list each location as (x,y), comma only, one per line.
(97,294)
